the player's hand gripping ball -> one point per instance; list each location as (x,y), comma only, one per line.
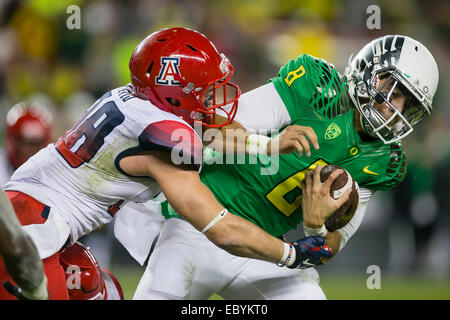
(339,186)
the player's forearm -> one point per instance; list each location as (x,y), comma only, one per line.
(230,139)
(195,203)
(233,233)
(242,238)
(235,139)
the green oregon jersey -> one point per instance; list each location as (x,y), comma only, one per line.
(316,96)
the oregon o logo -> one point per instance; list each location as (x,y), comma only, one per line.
(353,151)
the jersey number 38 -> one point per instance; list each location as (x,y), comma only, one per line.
(82,142)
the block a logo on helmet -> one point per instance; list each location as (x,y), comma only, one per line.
(180,71)
(169,68)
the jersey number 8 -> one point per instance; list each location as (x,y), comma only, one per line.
(294,75)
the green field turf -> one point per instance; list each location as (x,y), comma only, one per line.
(340,287)
(392,288)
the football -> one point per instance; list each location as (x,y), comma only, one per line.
(339,186)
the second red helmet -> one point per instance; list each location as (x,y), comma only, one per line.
(180,71)
(83,275)
(27,130)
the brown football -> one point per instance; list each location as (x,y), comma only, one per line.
(341,184)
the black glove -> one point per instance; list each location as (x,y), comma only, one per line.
(309,252)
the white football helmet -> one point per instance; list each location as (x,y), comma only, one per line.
(408,66)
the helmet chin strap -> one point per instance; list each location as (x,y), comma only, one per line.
(355,99)
(365,125)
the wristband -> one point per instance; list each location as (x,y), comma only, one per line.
(322,231)
(257,144)
(216,219)
(288,257)
(282,261)
(40,293)
(296,260)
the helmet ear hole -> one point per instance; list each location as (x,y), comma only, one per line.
(191,47)
(362,65)
(174,102)
(149,70)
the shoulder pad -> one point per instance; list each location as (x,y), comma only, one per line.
(331,93)
(176,137)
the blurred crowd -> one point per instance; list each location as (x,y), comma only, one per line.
(406,230)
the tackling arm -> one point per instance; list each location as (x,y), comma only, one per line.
(195,203)
(20,255)
(261,111)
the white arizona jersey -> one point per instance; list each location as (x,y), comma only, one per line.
(79,176)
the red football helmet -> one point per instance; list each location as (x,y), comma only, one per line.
(27,130)
(84,277)
(180,71)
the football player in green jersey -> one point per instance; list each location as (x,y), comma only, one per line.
(359,119)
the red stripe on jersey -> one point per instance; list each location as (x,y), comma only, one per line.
(112,210)
(74,160)
(172,136)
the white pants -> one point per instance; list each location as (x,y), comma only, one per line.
(186,265)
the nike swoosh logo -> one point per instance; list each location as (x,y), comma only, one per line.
(366,170)
(307,263)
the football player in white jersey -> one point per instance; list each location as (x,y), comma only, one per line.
(28,128)
(134,142)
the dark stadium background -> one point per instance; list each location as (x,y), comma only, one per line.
(406,232)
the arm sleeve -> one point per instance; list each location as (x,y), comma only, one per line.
(349,230)
(175,137)
(261,110)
